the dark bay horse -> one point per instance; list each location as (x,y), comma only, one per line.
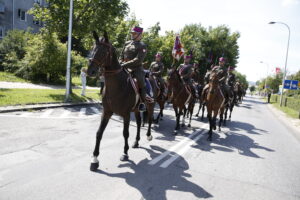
(198,78)
(119,96)
(159,97)
(215,100)
(180,98)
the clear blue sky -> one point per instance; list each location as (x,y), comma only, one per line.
(259,41)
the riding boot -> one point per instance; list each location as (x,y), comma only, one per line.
(144,98)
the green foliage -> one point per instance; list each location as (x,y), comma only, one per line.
(42,57)
(242,79)
(252,88)
(12,49)
(88,15)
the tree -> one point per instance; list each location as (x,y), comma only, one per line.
(89,15)
(12,49)
(252,88)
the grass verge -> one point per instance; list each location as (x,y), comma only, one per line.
(10,77)
(290,112)
(10,97)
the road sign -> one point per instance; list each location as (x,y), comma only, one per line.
(294,85)
(287,84)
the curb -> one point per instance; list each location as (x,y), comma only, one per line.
(45,106)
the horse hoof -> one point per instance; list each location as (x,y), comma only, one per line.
(214,128)
(94,167)
(189,125)
(149,138)
(124,158)
(197,115)
(143,125)
(135,145)
(175,132)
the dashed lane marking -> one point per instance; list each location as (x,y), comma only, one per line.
(182,151)
(178,145)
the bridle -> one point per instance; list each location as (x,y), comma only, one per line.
(105,59)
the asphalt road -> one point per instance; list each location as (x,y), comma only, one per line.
(46,155)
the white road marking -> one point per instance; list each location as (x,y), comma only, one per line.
(47,113)
(65,114)
(25,114)
(181,152)
(82,112)
(166,153)
(95,110)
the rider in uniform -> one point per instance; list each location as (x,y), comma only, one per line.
(156,69)
(185,71)
(132,58)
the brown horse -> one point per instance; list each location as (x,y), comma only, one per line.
(198,78)
(180,97)
(119,95)
(159,97)
(215,100)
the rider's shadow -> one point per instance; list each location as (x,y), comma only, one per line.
(233,141)
(153,181)
(248,128)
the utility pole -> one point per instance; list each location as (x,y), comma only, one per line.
(68,73)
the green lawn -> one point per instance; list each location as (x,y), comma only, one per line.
(32,96)
(9,77)
(290,112)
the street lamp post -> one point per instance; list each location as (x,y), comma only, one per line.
(286,58)
(267,73)
(68,73)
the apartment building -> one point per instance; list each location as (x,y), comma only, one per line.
(13,15)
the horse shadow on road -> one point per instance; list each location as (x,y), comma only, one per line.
(232,141)
(248,128)
(153,181)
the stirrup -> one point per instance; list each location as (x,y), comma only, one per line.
(142,107)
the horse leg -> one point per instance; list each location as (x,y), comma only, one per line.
(221,117)
(203,110)
(210,127)
(225,115)
(145,115)
(125,157)
(177,127)
(197,115)
(183,118)
(150,114)
(191,109)
(138,124)
(231,108)
(104,121)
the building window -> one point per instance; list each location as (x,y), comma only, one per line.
(37,1)
(22,15)
(1,32)
(2,7)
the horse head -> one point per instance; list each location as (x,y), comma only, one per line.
(101,55)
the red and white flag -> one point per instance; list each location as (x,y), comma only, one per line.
(277,70)
(178,50)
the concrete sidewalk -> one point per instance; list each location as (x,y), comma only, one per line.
(19,85)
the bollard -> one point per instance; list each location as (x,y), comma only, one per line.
(285,102)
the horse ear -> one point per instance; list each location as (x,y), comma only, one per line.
(96,37)
(106,37)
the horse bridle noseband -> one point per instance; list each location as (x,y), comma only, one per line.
(108,56)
